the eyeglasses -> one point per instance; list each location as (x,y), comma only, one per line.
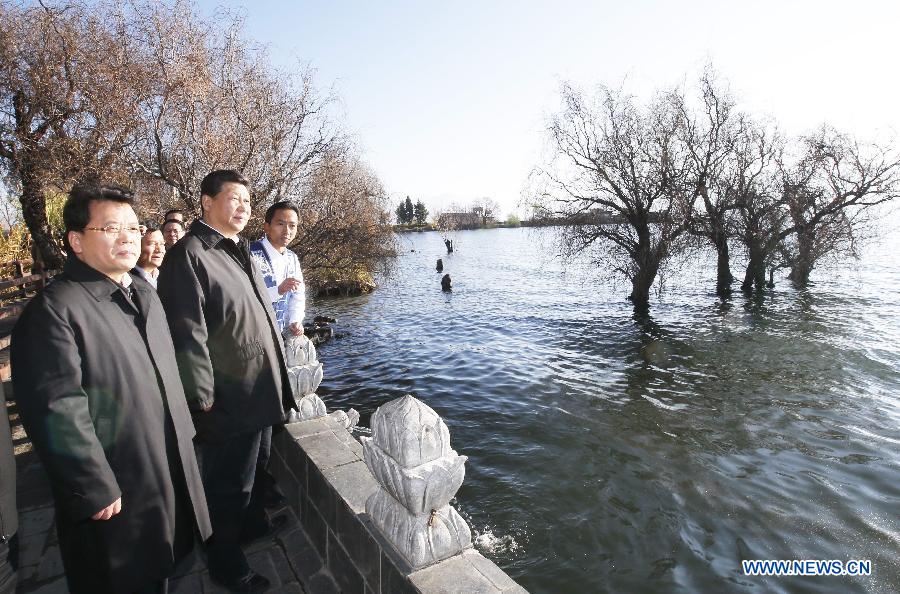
(114,229)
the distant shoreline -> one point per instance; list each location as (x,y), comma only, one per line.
(429,227)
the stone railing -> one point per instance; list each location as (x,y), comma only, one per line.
(378,512)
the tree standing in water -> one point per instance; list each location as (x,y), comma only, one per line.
(621,173)
(758,217)
(828,196)
(630,184)
(800,211)
(722,166)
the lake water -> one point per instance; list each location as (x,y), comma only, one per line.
(609,453)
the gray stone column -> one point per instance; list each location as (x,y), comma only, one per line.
(305,373)
(409,454)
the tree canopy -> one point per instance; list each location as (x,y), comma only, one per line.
(154,95)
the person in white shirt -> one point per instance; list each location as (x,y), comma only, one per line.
(280,267)
(153,249)
(280,270)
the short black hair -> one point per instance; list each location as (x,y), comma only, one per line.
(172,211)
(77,210)
(176,221)
(281,205)
(213,182)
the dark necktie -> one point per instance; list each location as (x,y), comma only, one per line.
(131,296)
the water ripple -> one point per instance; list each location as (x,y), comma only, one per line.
(610,452)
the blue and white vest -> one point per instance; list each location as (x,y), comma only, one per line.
(261,256)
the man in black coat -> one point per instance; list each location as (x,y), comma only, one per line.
(231,360)
(9,517)
(97,386)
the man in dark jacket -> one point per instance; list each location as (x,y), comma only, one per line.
(96,382)
(9,518)
(231,361)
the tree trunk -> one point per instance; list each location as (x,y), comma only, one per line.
(802,265)
(34,213)
(800,275)
(755,276)
(647,264)
(640,290)
(724,277)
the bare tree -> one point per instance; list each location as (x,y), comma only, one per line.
(627,183)
(345,231)
(487,208)
(620,174)
(751,196)
(828,195)
(69,98)
(716,142)
(801,210)
(220,104)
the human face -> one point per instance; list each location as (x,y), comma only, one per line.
(153,248)
(172,232)
(112,256)
(283,228)
(228,211)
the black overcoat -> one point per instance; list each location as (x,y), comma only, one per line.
(230,353)
(9,519)
(100,398)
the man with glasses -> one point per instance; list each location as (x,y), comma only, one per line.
(96,382)
(172,231)
(231,360)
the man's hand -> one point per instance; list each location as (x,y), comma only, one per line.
(296,328)
(289,284)
(109,511)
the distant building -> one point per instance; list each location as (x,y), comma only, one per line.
(462,220)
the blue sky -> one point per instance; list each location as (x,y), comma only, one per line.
(448,101)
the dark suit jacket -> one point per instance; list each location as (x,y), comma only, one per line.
(100,398)
(229,350)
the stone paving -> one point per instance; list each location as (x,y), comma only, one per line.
(289,561)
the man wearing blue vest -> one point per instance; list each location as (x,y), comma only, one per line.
(280,270)
(280,267)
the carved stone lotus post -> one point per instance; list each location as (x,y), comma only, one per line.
(305,373)
(418,473)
